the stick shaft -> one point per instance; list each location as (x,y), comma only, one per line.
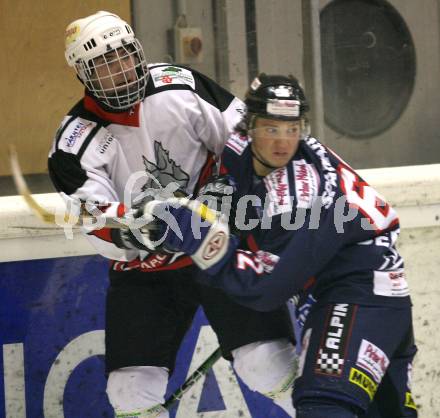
(195,376)
(84,218)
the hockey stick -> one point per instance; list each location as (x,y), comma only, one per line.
(84,218)
(178,394)
(195,376)
(23,190)
(46,216)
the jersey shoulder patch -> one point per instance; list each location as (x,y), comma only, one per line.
(306,183)
(237,143)
(168,74)
(74,135)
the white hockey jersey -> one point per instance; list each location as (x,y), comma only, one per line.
(169,139)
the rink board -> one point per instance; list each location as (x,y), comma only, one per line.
(52,339)
(51,313)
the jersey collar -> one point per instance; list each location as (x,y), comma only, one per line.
(128,117)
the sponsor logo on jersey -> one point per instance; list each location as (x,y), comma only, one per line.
(72,135)
(105,143)
(268,260)
(330,176)
(152,262)
(331,354)
(278,192)
(306,183)
(372,359)
(163,76)
(409,401)
(214,246)
(363,381)
(237,143)
(390,283)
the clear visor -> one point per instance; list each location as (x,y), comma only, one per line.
(118,77)
(276,132)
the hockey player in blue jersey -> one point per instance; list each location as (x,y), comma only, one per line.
(307,218)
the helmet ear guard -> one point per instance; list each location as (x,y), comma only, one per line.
(95,36)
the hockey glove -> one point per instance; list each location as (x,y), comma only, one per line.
(217,193)
(141,233)
(191,227)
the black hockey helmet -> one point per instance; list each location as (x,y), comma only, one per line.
(276,97)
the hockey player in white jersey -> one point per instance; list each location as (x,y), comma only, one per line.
(141,131)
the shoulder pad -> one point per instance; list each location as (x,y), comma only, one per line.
(168,74)
(237,143)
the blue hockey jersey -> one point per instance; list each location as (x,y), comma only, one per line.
(313,221)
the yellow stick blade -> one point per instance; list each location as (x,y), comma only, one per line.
(23,190)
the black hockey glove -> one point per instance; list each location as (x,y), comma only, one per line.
(217,194)
(140,235)
(147,231)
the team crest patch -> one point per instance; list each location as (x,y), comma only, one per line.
(163,173)
(166,75)
(331,354)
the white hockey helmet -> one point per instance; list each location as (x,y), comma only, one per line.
(108,59)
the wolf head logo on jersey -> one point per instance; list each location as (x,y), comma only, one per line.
(165,173)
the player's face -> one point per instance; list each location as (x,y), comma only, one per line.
(274,142)
(114,71)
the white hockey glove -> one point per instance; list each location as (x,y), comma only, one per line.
(189,226)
